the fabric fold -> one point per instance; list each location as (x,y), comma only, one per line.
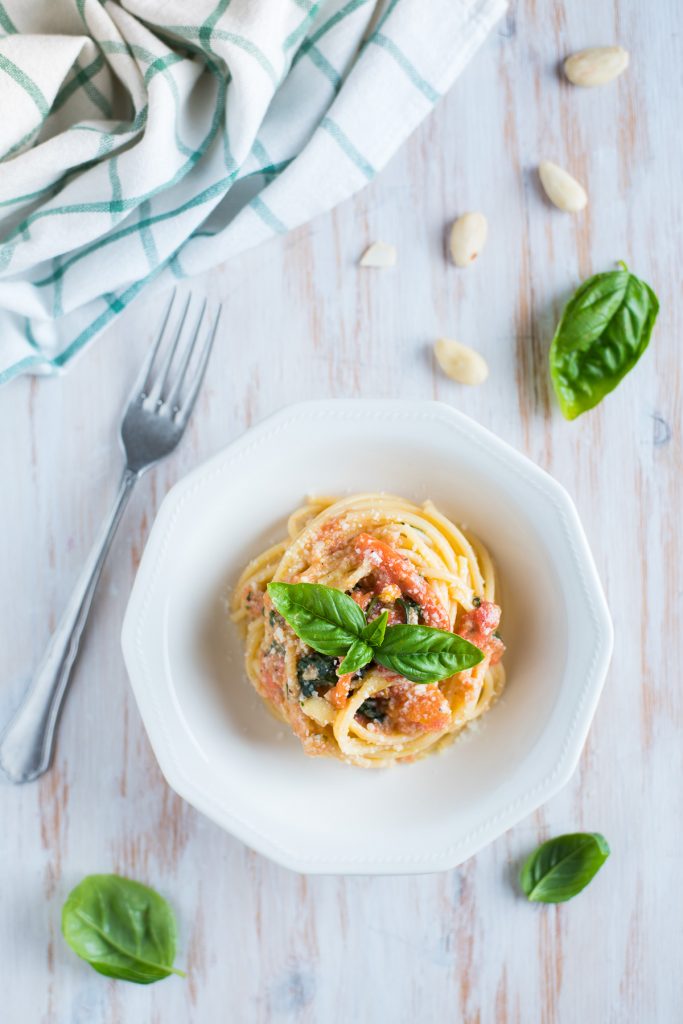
(144,143)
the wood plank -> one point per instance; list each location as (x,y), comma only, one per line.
(263,944)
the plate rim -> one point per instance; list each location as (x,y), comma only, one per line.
(141,674)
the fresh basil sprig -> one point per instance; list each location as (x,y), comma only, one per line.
(603,332)
(374,632)
(423,654)
(362,651)
(122,928)
(360,654)
(562,867)
(331,623)
(325,619)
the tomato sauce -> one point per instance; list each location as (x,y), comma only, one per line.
(417,709)
(391,568)
(478,627)
(273,676)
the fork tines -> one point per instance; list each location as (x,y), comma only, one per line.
(165,382)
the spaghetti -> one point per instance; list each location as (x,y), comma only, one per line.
(387,554)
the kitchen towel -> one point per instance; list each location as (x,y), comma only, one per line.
(147,140)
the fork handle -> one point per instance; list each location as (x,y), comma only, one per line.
(26,745)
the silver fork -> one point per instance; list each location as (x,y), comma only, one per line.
(153,423)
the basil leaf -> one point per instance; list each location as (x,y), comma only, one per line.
(314,670)
(374,632)
(411,610)
(562,867)
(359,654)
(603,332)
(374,709)
(426,655)
(326,619)
(122,928)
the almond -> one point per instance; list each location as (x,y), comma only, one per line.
(460,362)
(596,65)
(379,254)
(468,237)
(561,189)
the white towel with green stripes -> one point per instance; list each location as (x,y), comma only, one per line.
(146,140)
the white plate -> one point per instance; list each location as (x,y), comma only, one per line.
(221,750)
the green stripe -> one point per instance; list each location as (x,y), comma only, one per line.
(54,186)
(17,368)
(115,305)
(382,20)
(267,216)
(273,170)
(300,30)
(29,336)
(114,302)
(82,78)
(146,236)
(6,254)
(218,188)
(57,308)
(6,22)
(33,195)
(133,50)
(345,144)
(249,47)
(323,64)
(206,29)
(98,98)
(390,47)
(342,13)
(23,141)
(176,268)
(192,32)
(162,64)
(74,83)
(27,84)
(228,158)
(268,169)
(121,128)
(260,152)
(105,206)
(104,146)
(174,262)
(115,205)
(183,46)
(157,65)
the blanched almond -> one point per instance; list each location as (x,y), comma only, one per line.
(596,66)
(379,254)
(561,189)
(459,362)
(468,237)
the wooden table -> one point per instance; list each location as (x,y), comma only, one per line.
(263,944)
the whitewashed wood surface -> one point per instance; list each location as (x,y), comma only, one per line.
(262,944)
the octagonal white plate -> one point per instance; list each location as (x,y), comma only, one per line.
(221,750)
